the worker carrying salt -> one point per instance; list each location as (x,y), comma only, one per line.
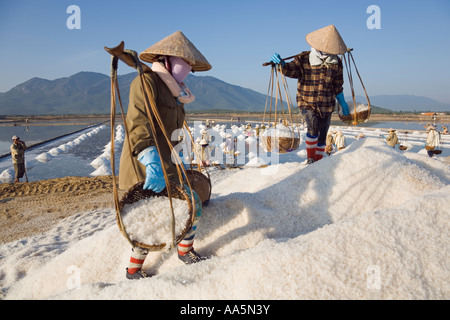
(392,139)
(433,140)
(320,83)
(172,59)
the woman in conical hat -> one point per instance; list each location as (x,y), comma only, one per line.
(172,59)
(320,83)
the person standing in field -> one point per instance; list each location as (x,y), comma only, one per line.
(320,83)
(18,148)
(433,140)
(172,58)
(392,139)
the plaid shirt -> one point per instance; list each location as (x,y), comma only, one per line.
(317,86)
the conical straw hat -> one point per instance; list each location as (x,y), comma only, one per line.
(327,40)
(179,46)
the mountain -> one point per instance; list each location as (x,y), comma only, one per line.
(89,93)
(212,93)
(409,103)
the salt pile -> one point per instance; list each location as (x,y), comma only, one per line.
(369,222)
(280,131)
(360,107)
(280,138)
(149,220)
(102,163)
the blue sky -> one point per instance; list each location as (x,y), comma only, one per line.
(408,55)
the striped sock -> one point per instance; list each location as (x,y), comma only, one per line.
(185,245)
(320,151)
(136,261)
(311,143)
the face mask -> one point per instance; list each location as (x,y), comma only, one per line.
(180,69)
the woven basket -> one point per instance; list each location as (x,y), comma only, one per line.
(201,184)
(360,117)
(403,148)
(137,193)
(437,151)
(429,148)
(284,144)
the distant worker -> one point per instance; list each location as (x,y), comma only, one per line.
(339,140)
(433,140)
(18,157)
(392,139)
(329,143)
(320,83)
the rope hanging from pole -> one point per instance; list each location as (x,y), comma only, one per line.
(358,116)
(278,83)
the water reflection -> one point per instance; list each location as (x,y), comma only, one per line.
(33,134)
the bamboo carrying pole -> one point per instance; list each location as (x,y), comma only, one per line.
(357,118)
(265,64)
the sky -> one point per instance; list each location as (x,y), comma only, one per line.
(400,48)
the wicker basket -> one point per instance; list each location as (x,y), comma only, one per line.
(403,148)
(284,144)
(201,184)
(437,151)
(136,193)
(429,148)
(360,117)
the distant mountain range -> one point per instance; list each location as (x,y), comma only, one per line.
(410,103)
(89,93)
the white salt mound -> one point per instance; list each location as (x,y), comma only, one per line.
(280,131)
(149,220)
(359,107)
(44,157)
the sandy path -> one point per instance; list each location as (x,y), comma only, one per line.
(30,208)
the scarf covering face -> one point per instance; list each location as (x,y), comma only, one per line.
(180,68)
(317,58)
(178,89)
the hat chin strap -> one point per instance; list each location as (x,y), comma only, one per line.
(182,93)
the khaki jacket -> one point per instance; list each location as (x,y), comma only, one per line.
(18,152)
(172,115)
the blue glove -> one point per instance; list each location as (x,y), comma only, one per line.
(277,59)
(345,109)
(154,179)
